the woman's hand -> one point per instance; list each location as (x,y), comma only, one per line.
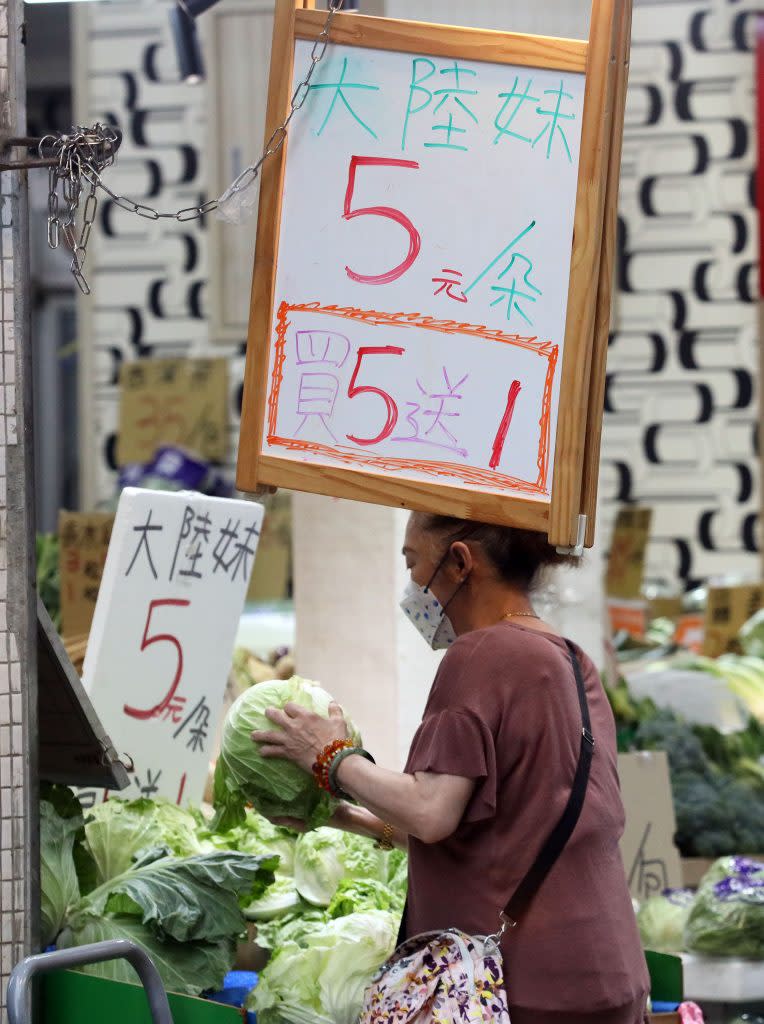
(293,824)
(302,734)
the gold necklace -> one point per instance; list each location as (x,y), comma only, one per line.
(519,615)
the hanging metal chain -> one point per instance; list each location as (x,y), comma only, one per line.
(84,153)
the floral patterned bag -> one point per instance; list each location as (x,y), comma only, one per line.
(439,978)
(452,978)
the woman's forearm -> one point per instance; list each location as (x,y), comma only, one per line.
(362,822)
(426,806)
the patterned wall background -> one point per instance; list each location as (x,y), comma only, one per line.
(149,280)
(681,417)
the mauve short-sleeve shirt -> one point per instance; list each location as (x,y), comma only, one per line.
(503,710)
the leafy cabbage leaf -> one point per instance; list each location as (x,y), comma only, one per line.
(326,856)
(184,910)
(259,836)
(186,967)
(274,786)
(355,896)
(662,918)
(324,979)
(59,887)
(280,898)
(294,926)
(118,830)
(186,899)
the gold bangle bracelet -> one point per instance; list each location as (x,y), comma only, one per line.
(385,842)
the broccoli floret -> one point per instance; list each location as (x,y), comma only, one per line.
(718,817)
(664,731)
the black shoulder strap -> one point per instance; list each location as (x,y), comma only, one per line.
(563,830)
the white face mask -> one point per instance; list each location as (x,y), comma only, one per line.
(427,614)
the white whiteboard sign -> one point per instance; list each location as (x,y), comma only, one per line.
(423,271)
(163,632)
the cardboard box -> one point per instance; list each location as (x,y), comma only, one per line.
(272,575)
(650,857)
(694,868)
(84,541)
(626,560)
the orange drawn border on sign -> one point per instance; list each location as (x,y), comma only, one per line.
(470,475)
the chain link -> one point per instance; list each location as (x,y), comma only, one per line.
(85,153)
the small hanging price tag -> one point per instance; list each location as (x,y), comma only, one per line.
(182,402)
(84,541)
(728,609)
(626,562)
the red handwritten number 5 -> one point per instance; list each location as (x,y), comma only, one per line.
(389,212)
(353,390)
(160,638)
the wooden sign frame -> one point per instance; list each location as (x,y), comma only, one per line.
(602,59)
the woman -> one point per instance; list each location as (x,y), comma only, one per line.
(489,772)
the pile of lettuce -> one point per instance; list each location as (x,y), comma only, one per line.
(326,905)
(140,870)
(727,917)
(326,949)
(274,787)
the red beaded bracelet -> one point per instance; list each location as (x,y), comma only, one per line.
(324,762)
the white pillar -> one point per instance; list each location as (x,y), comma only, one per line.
(351,636)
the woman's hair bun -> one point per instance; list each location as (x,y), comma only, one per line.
(517,555)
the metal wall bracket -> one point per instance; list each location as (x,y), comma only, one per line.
(9,143)
(39,144)
(578,549)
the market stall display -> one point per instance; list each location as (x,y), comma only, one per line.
(139,871)
(165,878)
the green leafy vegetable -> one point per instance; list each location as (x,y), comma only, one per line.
(184,910)
(730,867)
(49,576)
(294,926)
(186,967)
(356,896)
(280,898)
(727,918)
(325,857)
(60,889)
(116,831)
(275,787)
(186,898)
(661,920)
(324,980)
(260,836)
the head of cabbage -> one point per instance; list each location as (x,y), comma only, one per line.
(323,978)
(273,786)
(326,856)
(662,919)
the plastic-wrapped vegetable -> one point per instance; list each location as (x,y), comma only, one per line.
(727,918)
(662,919)
(731,867)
